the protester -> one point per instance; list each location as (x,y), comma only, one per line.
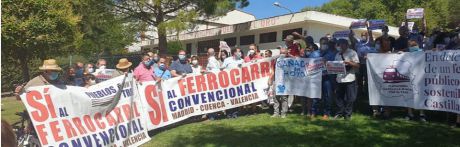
(154,58)
(301,42)
(386,42)
(79,73)
(89,68)
(89,80)
(69,76)
(311,44)
(223,56)
(101,64)
(181,67)
(196,68)
(161,71)
(144,71)
(214,64)
(328,52)
(233,62)
(280,100)
(294,49)
(310,105)
(401,44)
(414,46)
(122,67)
(268,54)
(346,87)
(363,46)
(253,53)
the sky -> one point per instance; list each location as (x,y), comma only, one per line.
(265,8)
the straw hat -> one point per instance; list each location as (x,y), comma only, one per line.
(50,64)
(123,63)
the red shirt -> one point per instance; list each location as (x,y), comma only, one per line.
(248,59)
(294,50)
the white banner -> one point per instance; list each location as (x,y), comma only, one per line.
(103,74)
(299,76)
(421,80)
(100,115)
(360,23)
(376,24)
(341,34)
(184,97)
(336,67)
(415,13)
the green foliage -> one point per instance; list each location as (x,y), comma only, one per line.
(438,13)
(174,47)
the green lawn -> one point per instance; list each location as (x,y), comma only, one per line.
(296,130)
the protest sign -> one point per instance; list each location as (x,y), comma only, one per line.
(341,34)
(415,13)
(223,46)
(103,74)
(299,76)
(360,23)
(421,80)
(335,67)
(376,24)
(180,98)
(101,115)
(410,25)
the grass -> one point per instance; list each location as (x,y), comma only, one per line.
(9,107)
(295,130)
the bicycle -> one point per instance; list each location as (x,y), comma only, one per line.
(25,135)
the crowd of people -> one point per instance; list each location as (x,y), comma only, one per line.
(339,92)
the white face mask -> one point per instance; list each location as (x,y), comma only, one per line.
(90,70)
(195,62)
(251,52)
(102,67)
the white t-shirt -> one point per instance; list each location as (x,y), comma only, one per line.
(231,62)
(213,64)
(196,70)
(349,55)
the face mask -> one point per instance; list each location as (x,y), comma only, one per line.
(155,59)
(92,82)
(147,63)
(162,66)
(181,57)
(413,49)
(238,55)
(307,53)
(195,62)
(324,47)
(102,67)
(282,55)
(90,70)
(251,52)
(377,46)
(53,76)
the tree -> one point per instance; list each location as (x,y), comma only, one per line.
(438,13)
(173,15)
(36,29)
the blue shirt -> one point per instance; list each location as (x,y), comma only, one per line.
(162,74)
(362,49)
(314,54)
(181,68)
(329,55)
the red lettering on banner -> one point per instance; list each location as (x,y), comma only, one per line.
(265,68)
(163,108)
(41,114)
(255,71)
(127,111)
(181,85)
(233,76)
(150,94)
(223,79)
(136,112)
(50,103)
(118,114)
(110,119)
(97,119)
(41,133)
(78,125)
(190,85)
(212,82)
(69,129)
(245,75)
(200,83)
(89,123)
(55,131)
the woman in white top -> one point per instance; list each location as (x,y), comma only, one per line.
(196,68)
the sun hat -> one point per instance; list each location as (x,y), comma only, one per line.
(50,64)
(123,63)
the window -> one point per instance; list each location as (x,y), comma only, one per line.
(289,32)
(204,45)
(188,49)
(267,37)
(247,40)
(231,42)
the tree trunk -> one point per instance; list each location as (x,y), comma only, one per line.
(24,66)
(162,42)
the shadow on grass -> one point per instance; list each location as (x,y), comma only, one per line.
(297,131)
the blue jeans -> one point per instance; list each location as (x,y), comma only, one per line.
(326,98)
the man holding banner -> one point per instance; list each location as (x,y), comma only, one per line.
(280,100)
(346,87)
